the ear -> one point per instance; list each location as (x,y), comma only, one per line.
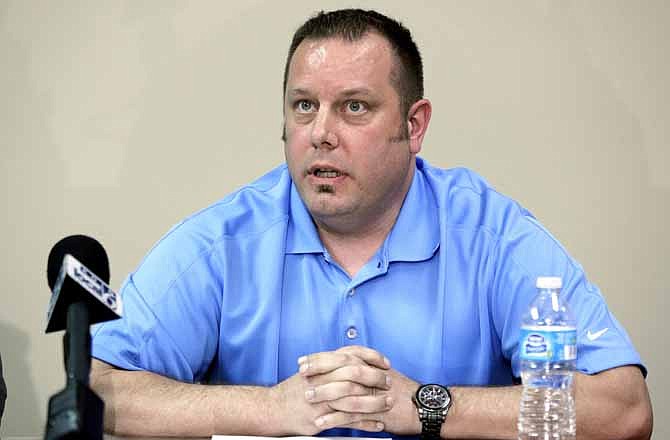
(418,118)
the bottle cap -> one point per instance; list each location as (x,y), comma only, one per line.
(549,283)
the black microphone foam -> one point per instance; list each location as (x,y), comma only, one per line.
(85,249)
(78,272)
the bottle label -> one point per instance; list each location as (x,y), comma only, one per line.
(547,343)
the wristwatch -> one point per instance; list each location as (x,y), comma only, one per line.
(432,403)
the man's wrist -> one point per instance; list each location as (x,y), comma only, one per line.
(278,423)
(256,410)
(416,425)
(432,402)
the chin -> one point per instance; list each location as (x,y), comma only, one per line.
(324,208)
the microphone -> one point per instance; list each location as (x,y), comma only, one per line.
(81,297)
(71,281)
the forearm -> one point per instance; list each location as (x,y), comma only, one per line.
(610,405)
(613,404)
(483,413)
(140,403)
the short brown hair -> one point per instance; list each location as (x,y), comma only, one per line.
(352,25)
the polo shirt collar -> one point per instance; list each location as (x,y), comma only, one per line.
(301,236)
(414,237)
(416,233)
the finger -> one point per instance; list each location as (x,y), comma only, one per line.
(340,419)
(362,404)
(324,362)
(335,390)
(365,375)
(365,425)
(368,355)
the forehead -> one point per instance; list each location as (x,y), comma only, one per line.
(336,62)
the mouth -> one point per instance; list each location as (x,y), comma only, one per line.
(324,172)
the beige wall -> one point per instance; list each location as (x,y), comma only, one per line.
(118,118)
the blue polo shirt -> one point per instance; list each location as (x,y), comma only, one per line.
(237,292)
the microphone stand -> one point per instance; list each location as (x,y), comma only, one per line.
(76,412)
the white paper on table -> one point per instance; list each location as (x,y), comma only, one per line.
(251,437)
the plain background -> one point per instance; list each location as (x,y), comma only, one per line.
(119,118)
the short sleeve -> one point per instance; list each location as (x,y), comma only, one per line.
(529,251)
(170,322)
(602,342)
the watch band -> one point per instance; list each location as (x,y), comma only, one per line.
(432,402)
(431,424)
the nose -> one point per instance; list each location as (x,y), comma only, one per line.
(323,131)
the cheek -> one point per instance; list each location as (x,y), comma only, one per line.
(295,150)
(297,136)
(290,154)
(384,163)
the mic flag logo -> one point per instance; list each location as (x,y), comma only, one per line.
(73,280)
(95,286)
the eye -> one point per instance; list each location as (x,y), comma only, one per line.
(304,106)
(355,107)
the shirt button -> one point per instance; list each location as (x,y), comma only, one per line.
(351,292)
(352,333)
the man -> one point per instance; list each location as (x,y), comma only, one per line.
(324,294)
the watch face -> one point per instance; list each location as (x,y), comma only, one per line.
(433,396)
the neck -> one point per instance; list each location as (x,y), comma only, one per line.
(352,242)
(353,250)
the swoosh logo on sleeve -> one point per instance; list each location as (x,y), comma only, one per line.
(596,335)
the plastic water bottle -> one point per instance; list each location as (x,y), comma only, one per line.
(548,353)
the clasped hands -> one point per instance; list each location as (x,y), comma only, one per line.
(352,387)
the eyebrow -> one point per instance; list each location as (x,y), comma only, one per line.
(356,91)
(297,92)
(345,94)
